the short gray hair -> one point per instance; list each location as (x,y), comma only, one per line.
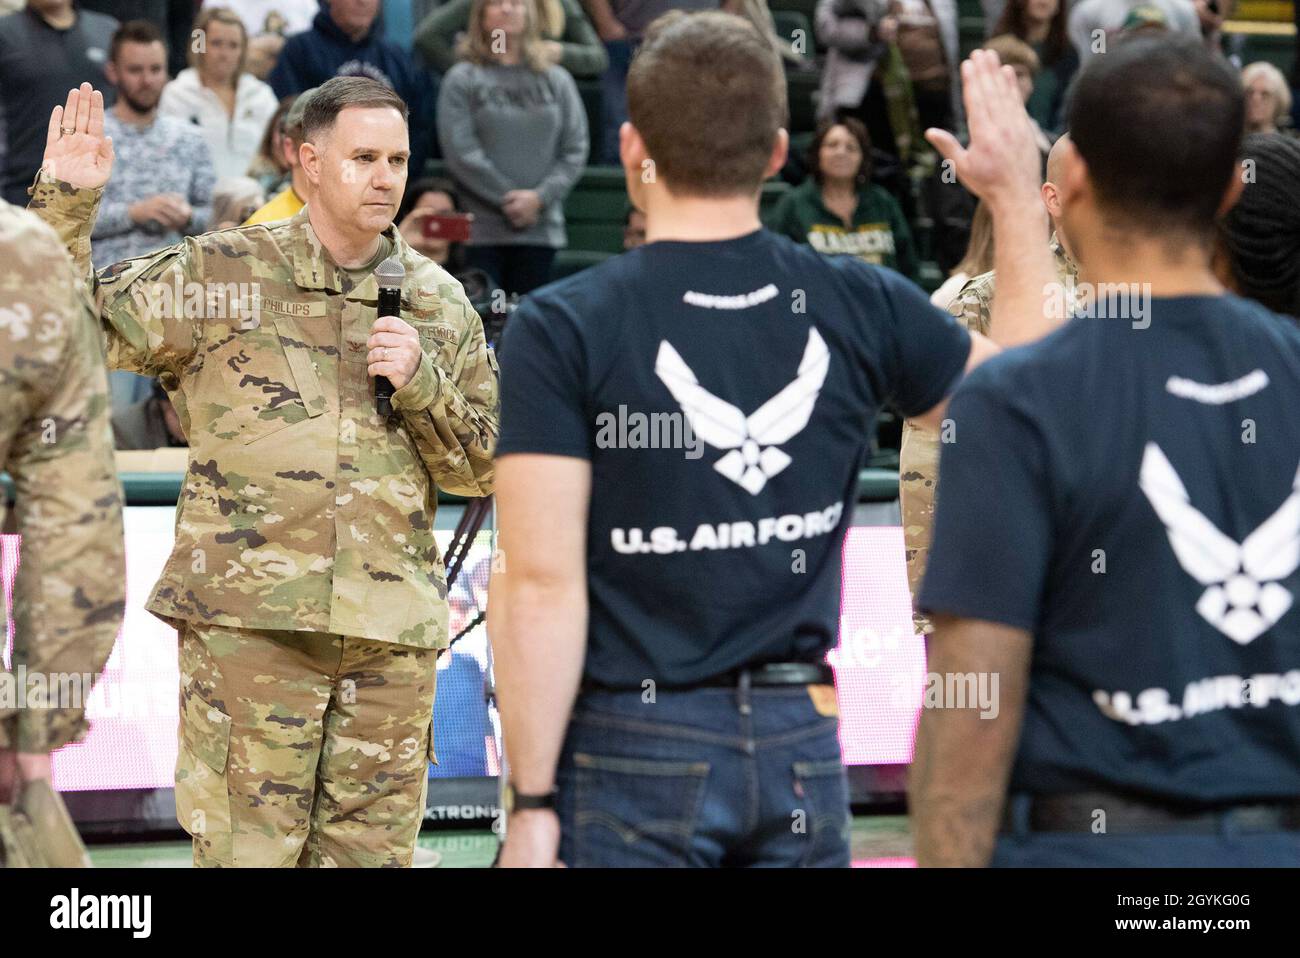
(336,94)
(1275,78)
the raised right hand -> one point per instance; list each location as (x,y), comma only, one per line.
(83,156)
(1001,164)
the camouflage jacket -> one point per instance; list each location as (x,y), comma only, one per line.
(301,508)
(56,444)
(918,458)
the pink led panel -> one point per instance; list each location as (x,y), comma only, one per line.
(879,664)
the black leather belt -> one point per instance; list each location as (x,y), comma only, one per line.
(758,676)
(1079,812)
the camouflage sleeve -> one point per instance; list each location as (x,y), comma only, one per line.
(973,304)
(453,412)
(918,476)
(68,594)
(918,457)
(141,302)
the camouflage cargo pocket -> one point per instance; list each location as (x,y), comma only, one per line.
(202,795)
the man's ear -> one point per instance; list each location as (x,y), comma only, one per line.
(1236,183)
(1073,183)
(1051,199)
(110,72)
(310,159)
(638,168)
(780,151)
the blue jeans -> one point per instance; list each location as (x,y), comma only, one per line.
(613,98)
(1228,848)
(708,777)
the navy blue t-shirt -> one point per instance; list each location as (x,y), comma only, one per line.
(1129,495)
(720,546)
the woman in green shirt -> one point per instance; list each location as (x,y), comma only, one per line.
(838,209)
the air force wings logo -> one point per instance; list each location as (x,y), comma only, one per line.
(752,440)
(1242,597)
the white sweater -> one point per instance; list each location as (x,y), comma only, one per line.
(233,141)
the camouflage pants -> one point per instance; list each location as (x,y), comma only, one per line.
(302,748)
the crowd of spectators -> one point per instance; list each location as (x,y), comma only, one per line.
(206,102)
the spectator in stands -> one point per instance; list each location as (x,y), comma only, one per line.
(216,94)
(1268,98)
(925,33)
(163,189)
(45,51)
(514,134)
(1210,15)
(1041,24)
(270,167)
(431,196)
(1020,57)
(620,23)
(151,423)
(271,16)
(294,196)
(1094,24)
(849,31)
(234,200)
(345,41)
(1258,252)
(268,23)
(977,261)
(568,37)
(838,209)
(436,196)
(633,228)
(173,18)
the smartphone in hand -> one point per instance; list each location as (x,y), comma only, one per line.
(452,227)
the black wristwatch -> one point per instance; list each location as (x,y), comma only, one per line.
(519,802)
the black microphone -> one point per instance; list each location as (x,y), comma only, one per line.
(389,275)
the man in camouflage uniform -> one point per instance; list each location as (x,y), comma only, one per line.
(918,457)
(305,583)
(56,444)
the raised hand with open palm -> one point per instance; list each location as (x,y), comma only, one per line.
(1001,161)
(76,149)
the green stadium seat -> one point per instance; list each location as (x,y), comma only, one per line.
(595,210)
(586,204)
(773,190)
(800,87)
(569,261)
(877,485)
(603,237)
(806,7)
(1278,50)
